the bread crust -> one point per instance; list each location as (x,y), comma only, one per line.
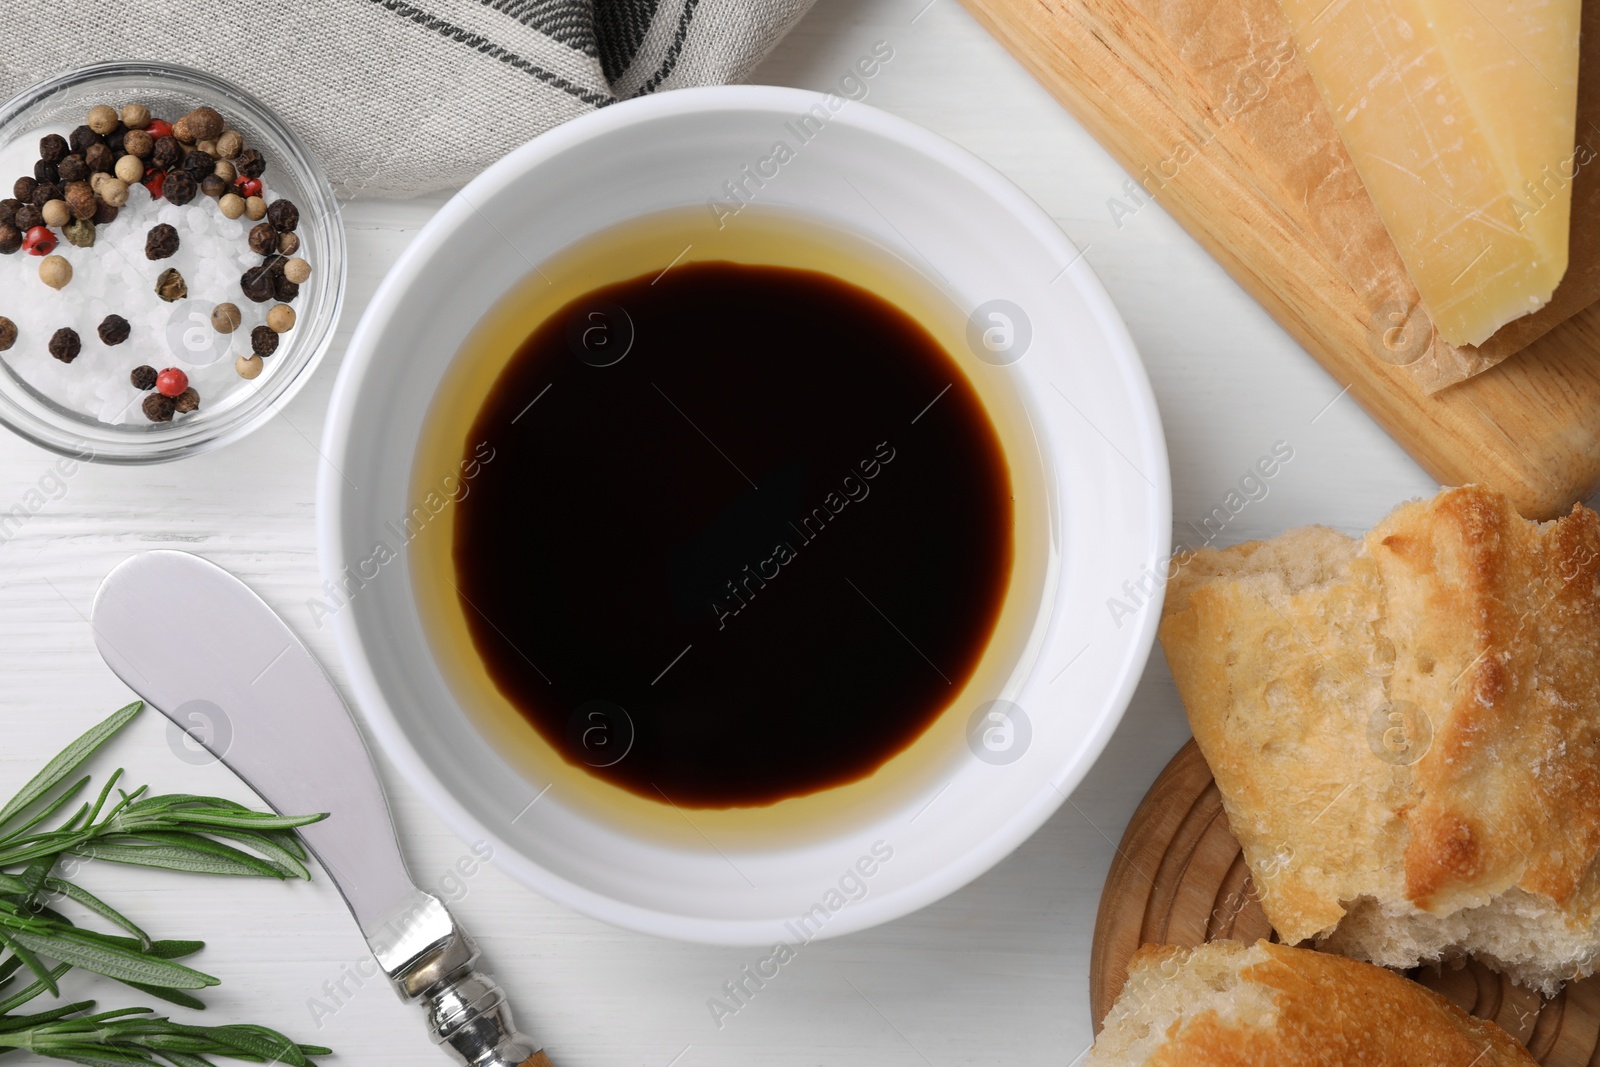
(1412,719)
(1325,1010)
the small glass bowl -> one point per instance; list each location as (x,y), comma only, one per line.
(171,92)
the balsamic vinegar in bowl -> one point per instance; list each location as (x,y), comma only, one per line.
(733,531)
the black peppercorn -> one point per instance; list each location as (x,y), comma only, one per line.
(275,264)
(138,143)
(82,138)
(97,157)
(104,213)
(263,341)
(198,164)
(113,329)
(114,140)
(263,239)
(170,286)
(179,188)
(53,147)
(45,192)
(23,189)
(161,242)
(64,344)
(285,290)
(28,217)
(8,333)
(143,377)
(186,401)
(283,215)
(158,408)
(8,210)
(45,171)
(257,283)
(250,164)
(73,169)
(167,153)
(213,186)
(10,239)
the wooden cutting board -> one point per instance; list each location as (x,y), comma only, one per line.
(1127,69)
(1179,878)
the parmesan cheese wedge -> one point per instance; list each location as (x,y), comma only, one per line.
(1459,116)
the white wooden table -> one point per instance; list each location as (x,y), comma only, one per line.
(996,973)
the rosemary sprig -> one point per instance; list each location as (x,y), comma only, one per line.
(133,1036)
(173,831)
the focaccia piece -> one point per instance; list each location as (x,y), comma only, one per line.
(1227,1004)
(1405,730)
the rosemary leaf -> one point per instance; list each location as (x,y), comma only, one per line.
(94,1056)
(31,961)
(54,806)
(237,820)
(183,1059)
(151,850)
(82,896)
(82,949)
(171,996)
(67,761)
(273,848)
(29,992)
(9,1023)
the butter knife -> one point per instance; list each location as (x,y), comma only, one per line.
(203,649)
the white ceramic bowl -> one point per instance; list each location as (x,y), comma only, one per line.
(1080,385)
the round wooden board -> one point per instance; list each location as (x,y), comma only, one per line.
(1179,878)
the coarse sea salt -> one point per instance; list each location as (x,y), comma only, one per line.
(114,278)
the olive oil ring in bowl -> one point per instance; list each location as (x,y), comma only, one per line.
(173,312)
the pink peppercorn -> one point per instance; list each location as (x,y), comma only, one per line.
(39,241)
(171,382)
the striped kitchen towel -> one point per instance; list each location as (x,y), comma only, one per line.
(398,98)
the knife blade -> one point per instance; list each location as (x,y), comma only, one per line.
(202,648)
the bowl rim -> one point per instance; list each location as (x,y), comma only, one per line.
(163,447)
(876,908)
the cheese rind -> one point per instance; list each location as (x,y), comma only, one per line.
(1460,119)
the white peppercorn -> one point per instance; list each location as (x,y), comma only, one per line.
(103,119)
(114,191)
(130,168)
(55,271)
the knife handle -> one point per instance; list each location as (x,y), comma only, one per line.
(468,1013)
